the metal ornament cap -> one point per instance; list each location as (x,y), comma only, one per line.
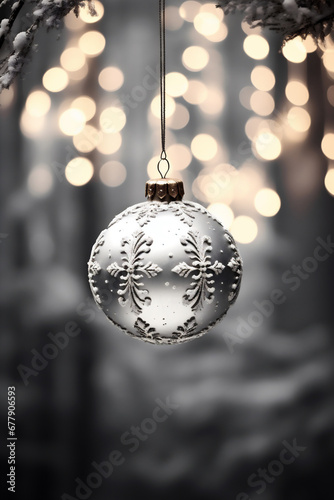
(164,190)
(165,271)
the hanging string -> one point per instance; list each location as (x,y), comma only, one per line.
(162,24)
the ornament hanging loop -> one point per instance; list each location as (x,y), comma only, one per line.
(163,157)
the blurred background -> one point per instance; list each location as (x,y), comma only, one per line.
(251,133)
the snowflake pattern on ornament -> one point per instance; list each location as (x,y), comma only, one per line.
(183,332)
(145,330)
(147,211)
(186,330)
(150,211)
(145,214)
(133,264)
(201,289)
(185,212)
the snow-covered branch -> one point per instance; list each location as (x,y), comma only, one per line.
(16,45)
(289,17)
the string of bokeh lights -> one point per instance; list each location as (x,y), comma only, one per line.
(230,193)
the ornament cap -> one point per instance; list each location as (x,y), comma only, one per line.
(164,190)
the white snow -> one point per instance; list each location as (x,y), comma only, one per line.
(11,61)
(3,27)
(5,79)
(296,12)
(291,6)
(38,12)
(20,41)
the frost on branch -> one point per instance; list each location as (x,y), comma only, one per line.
(15,44)
(289,17)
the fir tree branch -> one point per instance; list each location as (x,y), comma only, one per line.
(291,18)
(45,13)
(15,12)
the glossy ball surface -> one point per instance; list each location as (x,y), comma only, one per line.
(165,272)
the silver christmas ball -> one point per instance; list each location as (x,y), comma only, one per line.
(165,271)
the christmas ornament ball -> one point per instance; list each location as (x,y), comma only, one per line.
(166,270)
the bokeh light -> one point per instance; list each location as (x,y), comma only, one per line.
(110,143)
(256,125)
(245,95)
(223,213)
(329,181)
(86,16)
(267,146)
(214,102)
(179,156)
(250,30)
(263,78)
(246,184)
(212,8)
(38,103)
(204,147)
(299,119)
(267,202)
(113,173)
(262,103)
(55,79)
(176,84)
(40,181)
(220,35)
(112,119)
(80,74)
(195,58)
(86,105)
(252,126)
(152,171)
(309,44)
(72,59)
(297,92)
(170,106)
(111,78)
(217,183)
(92,43)
(79,171)
(328,60)
(188,10)
(180,117)
(196,93)
(244,229)
(330,95)
(256,47)
(327,145)
(72,121)
(294,50)
(73,23)
(88,139)
(206,23)
(31,127)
